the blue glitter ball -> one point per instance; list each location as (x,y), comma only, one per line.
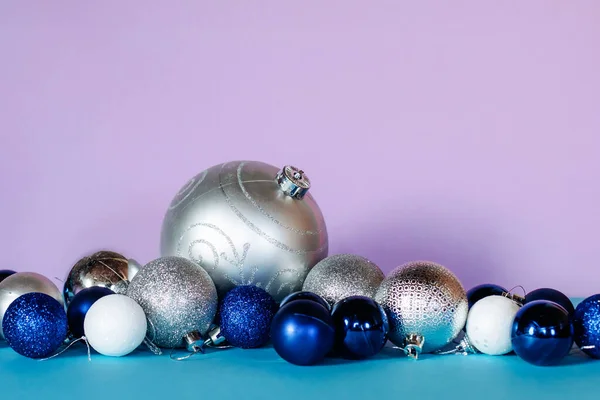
(35,325)
(586,325)
(245,316)
(80,305)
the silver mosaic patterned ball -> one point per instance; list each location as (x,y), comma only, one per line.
(178,298)
(343,275)
(248,223)
(426,304)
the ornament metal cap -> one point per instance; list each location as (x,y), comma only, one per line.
(194,342)
(293,181)
(414,345)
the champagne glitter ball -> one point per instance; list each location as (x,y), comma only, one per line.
(424,299)
(343,275)
(177,296)
(248,223)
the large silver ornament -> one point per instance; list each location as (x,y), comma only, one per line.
(343,275)
(178,297)
(426,304)
(247,222)
(103,268)
(21,283)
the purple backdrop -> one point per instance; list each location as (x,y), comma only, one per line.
(460,132)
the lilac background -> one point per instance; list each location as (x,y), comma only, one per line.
(463,132)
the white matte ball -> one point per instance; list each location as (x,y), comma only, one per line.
(489,324)
(115,325)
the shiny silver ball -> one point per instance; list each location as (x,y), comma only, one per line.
(103,268)
(22,283)
(178,298)
(248,223)
(343,275)
(423,299)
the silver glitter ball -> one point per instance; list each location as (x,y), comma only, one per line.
(343,275)
(426,304)
(21,283)
(103,268)
(248,223)
(178,298)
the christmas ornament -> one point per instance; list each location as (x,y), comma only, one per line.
(245,316)
(480,291)
(551,295)
(80,305)
(426,304)
(247,224)
(21,283)
(35,325)
(489,324)
(115,325)
(302,332)
(542,333)
(5,273)
(104,268)
(361,327)
(586,326)
(133,267)
(178,298)
(305,296)
(343,275)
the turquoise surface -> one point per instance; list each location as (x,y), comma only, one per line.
(260,373)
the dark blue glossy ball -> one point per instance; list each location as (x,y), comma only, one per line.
(305,296)
(35,325)
(542,333)
(80,305)
(302,332)
(551,295)
(5,273)
(361,327)
(480,291)
(586,326)
(245,316)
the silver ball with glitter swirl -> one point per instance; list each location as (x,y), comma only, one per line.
(248,223)
(343,275)
(178,297)
(426,304)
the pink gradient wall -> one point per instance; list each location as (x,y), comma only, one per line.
(462,132)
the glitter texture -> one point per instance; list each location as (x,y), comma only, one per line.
(343,275)
(426,299)
(246,314)
(586,325)
(35,325)
(177,296)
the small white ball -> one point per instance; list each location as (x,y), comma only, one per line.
(115,325)
(489,324)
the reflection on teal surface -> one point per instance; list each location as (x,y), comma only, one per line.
(260,373)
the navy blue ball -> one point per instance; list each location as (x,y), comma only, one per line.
(80,305)
(35,325)
(302,332)
(5,273)
(305,296)
(551,295)
(480,291)
(245,316)
(542,333)
(361,327)
(586,326)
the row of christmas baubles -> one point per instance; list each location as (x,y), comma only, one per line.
(247,312)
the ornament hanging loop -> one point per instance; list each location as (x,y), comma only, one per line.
(195,343)
(515,297)
(83,338)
